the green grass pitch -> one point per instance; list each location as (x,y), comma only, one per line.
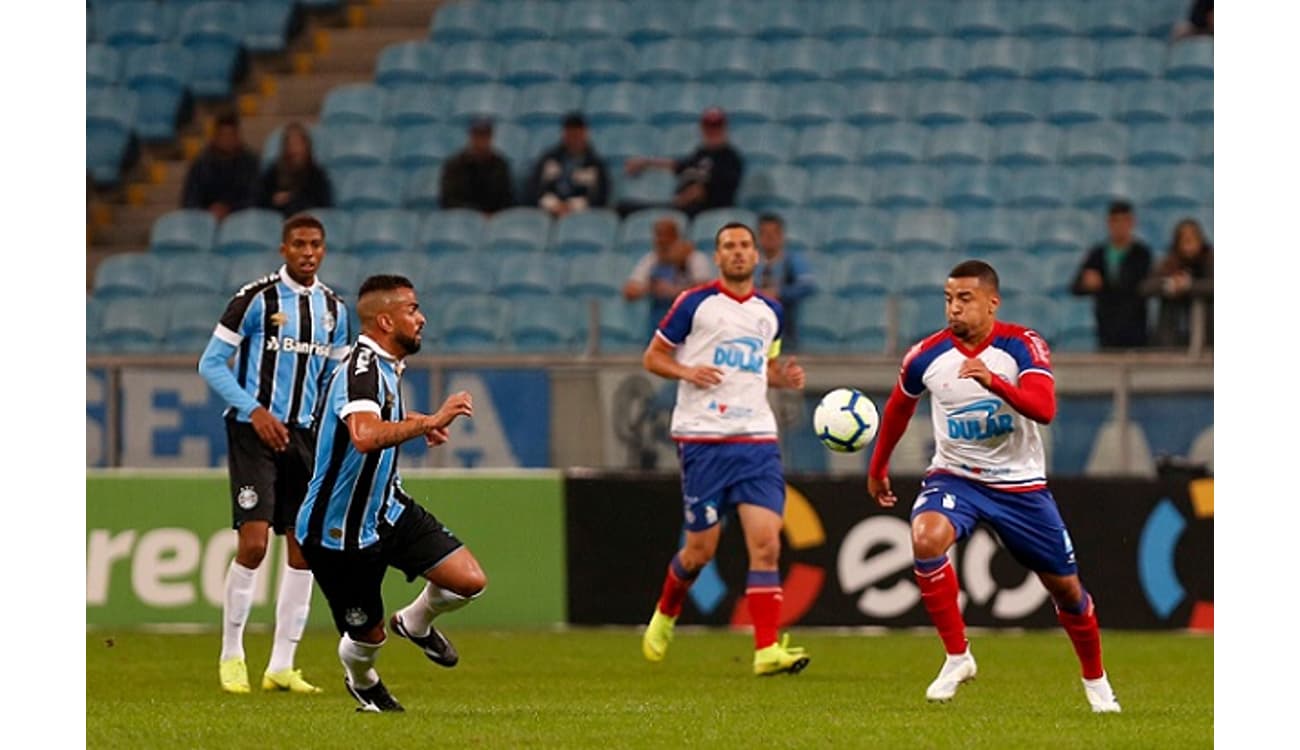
(592,689)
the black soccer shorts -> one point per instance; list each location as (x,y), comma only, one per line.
(265,485)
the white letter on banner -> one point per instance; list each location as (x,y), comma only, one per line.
(165,553)
(104,550)
(479,441)
(858,570)
(216,564)
(141,420)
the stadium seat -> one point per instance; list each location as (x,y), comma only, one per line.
(777,20)
(421,188)
(182,232)
(636,233)
(1110,19)
(473,324)
(1162,144)
(840,21)
(837,187)
(103,66)
(922,314)
(369,188)
(1026,145)
(494,101)
(821,324)
(461,22)
(242,270)
(1136,59)
(513,141)
(462,274)
(718,22)
(968,187)
(1077,103)
(1031,309)
(863,275)
(1013,103)
(517,230)
(968,144)
(856,60)
(546,104)
(901,187)
(804,105)
(670,61)
(1205,147)
(997,59)
(1185,187)
(590,20)
(345,146)
(707,223)
(651,187)
(135,24)
(1019,271)
(1191,59)
(110,121)
(932,59)
(763,145)
(748,103)
(1067,59)
(251,231)
(867,330)
(801,228)
(267,25)
(615,104)
(406,63)
(353,104)
(451,231)
(1148,101)
(213,32)
(826,145)
(405,106)
(990,231)
(598,276)
(1044,19)
(875,104)
(647,23)
(425,145)
(917,19)
(623,326)
(602,62)
(94,322)
(126,275)
(677,140)
(382,231)
(945,103)
(1063,232)
(1058,272)
(929,230)
(190,321)
(980,19)
(619,142)
(469,63)
(338,227)
(678,103)
(893,145)
(132,326)
(852,230)
(773,188)
(729,61)
(522,20)
(1096,187)
(1036,187)
(797,60)
(1076,327)
(1094,144)
(548,324)
(584,233)
(1197,106)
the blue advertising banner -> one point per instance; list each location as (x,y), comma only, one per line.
(96,418)
(512,418)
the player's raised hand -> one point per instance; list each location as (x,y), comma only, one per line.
(271,430)
(976,370)
(881,491)
(792,374)
(704,376)
(437,436)
(459,404)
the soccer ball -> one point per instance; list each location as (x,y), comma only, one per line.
(845,420)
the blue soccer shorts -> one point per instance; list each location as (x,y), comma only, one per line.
(716,477)
(1028,523)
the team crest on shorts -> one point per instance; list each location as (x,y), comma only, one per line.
(247,497)
(356,617)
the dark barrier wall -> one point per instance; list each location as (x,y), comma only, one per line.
(1145,551)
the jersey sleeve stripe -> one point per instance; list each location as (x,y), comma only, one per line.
(228,336)
(665,339)
(360,405)
(1039,371)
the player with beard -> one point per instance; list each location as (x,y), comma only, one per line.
(357,521)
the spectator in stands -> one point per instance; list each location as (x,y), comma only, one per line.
(672,267)
(571,176)
(222,176)
(786,277)
(1112,273)
(1186,272)
(295,183)
(1200,20)
(478,177)
(709,176)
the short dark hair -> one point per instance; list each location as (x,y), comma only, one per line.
(384,282)
(1119,207)
(298,221)
(227,117)
(734,225)
(975,269)
(768,216)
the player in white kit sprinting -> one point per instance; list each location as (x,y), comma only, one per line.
(721,341)
(990,386)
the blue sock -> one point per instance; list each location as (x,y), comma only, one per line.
(680,571)
(928,564)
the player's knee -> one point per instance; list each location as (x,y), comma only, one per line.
(471,584)
(368,633)
(251,552)
(765,551)
(928,543)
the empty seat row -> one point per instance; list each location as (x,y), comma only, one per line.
(256,25)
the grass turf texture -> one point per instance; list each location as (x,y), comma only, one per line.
(592,688)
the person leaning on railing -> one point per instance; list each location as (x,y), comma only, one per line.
(1184,281)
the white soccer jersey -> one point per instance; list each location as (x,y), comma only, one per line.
(708,325)
(976,434)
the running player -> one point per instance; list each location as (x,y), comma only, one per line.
(286,332)
(721,341)
(990,385)
(357,521)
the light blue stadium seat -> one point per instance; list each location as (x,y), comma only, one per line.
(405,106)
(473,324)
(776,20)
(980,19)
(827,145)
(932,59)
(929,230)
(748,103)
(1058,272)
(462,22)
(598,276)
(1019,272)
(368,188)
(1191,59)
(773,188)
(623,326)
(863,275)
(548,324)
(801,228)
(946,103)
(763,145)
(679,103)
(840,21)
(969,187)
(602,62)
(997,59)
(584,233)
(1205,147)
(110,121)
(1026,145)
(421,187)
(94,323)
(251,231)
(797,60)
(821,324)
(733,60)
(918,19)
(1013,102)
(353,104)
(636,233)
(874,104)
(619,142)
(242,270)
(1110,19)
(922,314)
(530,275)
(651,186)
(469,63)
(347,146)
(129,25)
(707,223)
(590,20)
(1185,187)
(517,230)
(546,104)
(1148,101)
(867,329)
(1044,19)
(126,275)
(462,274)
(1032,309)
(190,321)
(266,27)
(1136,59)
(805,105)
(338,227)
(103,66)
(1096,187)
(383,231)
(1094,144)
(1162,144)
(1076,327)
(647,23)
(417,267)
(990,231)
(1197,105)
(451,231)
(861,60)
(678,140)
(853,230)
(1067,59)
(893,145)
(1064,231)
(132,326)
(513,141)
(425,145)
(902,187)
(493,101)
(213,33)
(1077,103)
(615,104)
(669,61)
(406,63)
(834,187)
(1036,187)
(969,143)
(344,275)
(718,21)
(522,20)
(182,232)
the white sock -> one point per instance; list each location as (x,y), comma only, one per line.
(239,599)
(291,608)
(432,601)
(359,661)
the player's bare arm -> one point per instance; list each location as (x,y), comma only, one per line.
(370,433)
(659,359)
(785,372)
(271,430)
(459,404)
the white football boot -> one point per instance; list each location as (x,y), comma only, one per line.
(956,670)
(1100,696)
